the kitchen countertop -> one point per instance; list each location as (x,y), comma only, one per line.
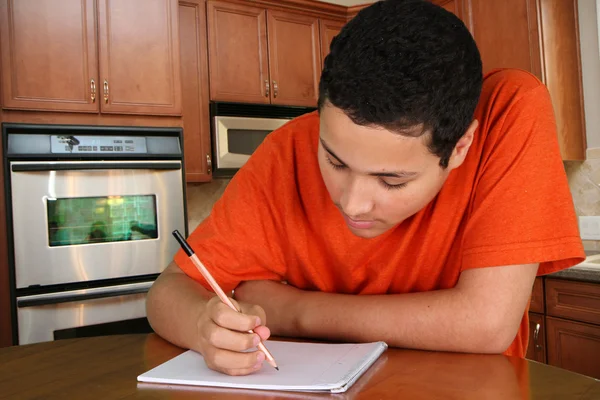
(578,273)
(107,368)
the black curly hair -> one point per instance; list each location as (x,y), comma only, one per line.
(405,64)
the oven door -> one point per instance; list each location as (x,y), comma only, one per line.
(81,221)
(116,309)
(236,138)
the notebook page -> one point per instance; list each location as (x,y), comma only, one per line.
(303,367)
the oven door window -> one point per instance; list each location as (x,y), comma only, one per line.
(86,220)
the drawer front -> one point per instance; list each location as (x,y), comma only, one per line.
(536,349)
(573,300)
(574,346)
(537,296)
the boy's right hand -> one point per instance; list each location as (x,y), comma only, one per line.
(224,338)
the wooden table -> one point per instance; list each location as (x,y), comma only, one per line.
(107,367)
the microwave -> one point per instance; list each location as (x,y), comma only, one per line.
(238,129)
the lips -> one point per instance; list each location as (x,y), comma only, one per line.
(358,224)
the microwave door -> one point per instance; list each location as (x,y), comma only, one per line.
(236,138)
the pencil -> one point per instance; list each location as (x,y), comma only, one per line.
(215,286)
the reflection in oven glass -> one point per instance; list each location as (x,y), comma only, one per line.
(85,220)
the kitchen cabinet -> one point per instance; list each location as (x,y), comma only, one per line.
(536,349)
(252,63)
(294,58)
(329,29)
(139,57)
(48,55)
(540,37)
(574,346)
(567,333)
(454,6)
(53,60)
(195,104)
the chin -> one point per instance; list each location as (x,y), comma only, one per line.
(367,233)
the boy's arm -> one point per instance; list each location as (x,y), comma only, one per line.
(481,314)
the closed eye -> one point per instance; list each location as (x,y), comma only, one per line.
(334,165)
(341,166)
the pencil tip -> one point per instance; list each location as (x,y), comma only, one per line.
(277,368)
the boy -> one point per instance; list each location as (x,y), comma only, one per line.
(416,207)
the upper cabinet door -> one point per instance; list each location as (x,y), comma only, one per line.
(139,57)
(506,33)
(237,53)
(49,55)
(294,58)
(329,29)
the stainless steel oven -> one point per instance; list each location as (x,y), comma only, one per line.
(238,129)
(90,215)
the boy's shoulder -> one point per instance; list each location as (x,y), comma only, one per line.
(509,83)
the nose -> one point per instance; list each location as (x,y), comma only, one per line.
(357,198)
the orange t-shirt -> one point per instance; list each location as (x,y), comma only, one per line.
(509,203)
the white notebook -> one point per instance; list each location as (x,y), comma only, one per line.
(310,367)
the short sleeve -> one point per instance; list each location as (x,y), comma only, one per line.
(241,239)
(522,210)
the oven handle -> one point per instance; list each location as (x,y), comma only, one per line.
(73,166)
(81,295)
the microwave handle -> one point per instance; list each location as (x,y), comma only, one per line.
(68,297)
(70,166)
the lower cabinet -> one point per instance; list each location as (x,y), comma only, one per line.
(536,350)
(574,346)
(564,327)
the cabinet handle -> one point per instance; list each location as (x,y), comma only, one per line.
(536,334)
(267,88)
(208,164)
(93,88)
(106,91)
(275,89)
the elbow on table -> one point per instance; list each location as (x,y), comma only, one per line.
(495,337)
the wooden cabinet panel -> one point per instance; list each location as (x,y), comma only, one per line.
(506,33)
(454,6)
(562,73)
(328,29)
(48,54)
(194,74)
(294,58)
(237,51)
(537,296)
(573,300)
(536,350)
(139,57)
(574,346)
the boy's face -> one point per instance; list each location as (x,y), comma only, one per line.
(378,178)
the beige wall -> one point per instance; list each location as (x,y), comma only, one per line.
(590,66)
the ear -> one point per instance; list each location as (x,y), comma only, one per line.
(462,146)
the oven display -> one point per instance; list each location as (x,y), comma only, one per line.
(86,220)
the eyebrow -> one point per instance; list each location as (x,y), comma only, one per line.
(397,174)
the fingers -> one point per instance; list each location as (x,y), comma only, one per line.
(225,317)
(252,309)
(234,363)
(227,339)
(263,332)
(224,337)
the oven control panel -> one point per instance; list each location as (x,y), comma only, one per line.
(60,144)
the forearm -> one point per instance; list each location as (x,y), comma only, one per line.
(443,320)
(459,319)
(173,306)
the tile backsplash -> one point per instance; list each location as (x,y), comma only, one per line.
(584,182)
